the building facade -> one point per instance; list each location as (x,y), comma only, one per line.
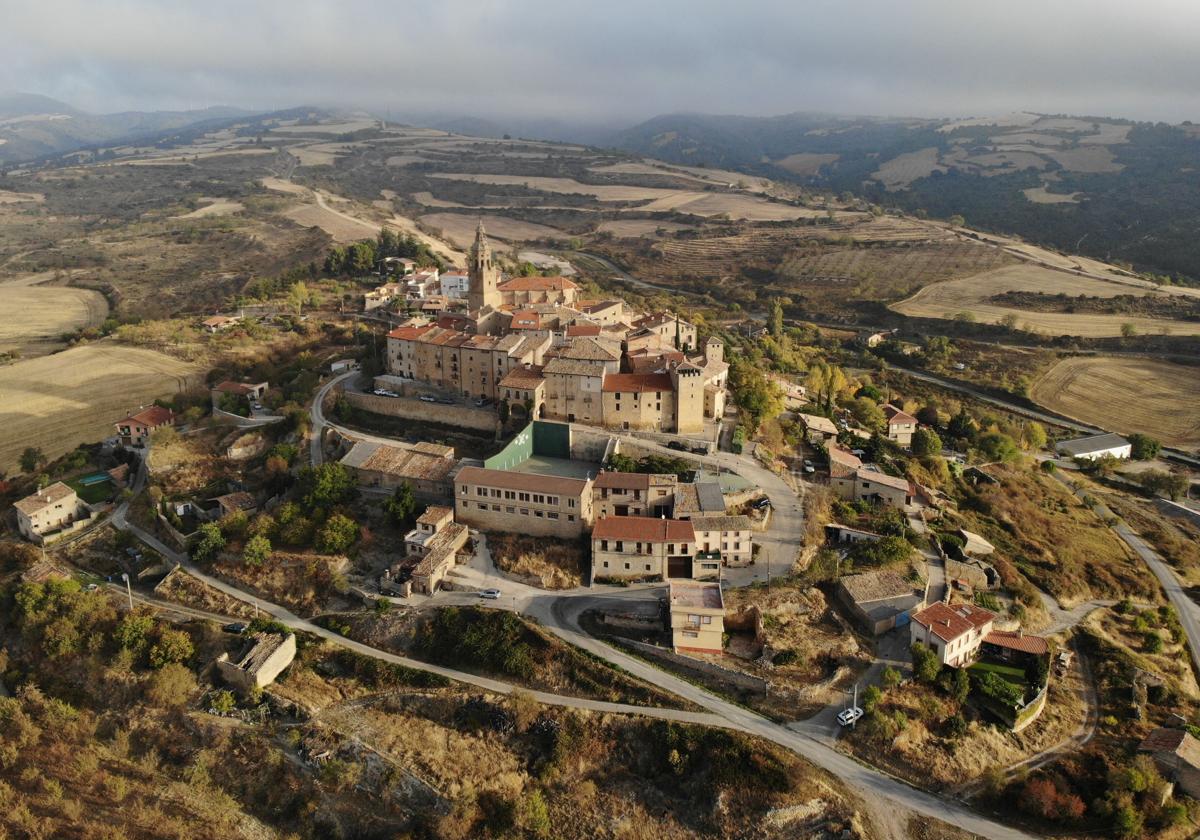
(697,617)
(642,548)
(633,494)
(523,503)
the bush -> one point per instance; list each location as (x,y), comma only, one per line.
(890,677)
(788,656)
(925,663)
(956,726)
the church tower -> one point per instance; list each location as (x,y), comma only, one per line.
(484,276)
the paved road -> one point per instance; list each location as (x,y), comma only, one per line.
(316,413)
(1187,609)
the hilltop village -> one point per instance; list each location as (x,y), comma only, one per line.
(474,494)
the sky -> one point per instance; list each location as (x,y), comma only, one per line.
(613,61)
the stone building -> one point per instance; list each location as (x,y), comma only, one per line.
(523,503)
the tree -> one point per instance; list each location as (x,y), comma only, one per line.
(1037,671)
(210,544)
(925,442)
(172,646)
(171,686)
(503,410)
(997,446)
(298,296)
(957,220)
(776,323)
(326,485)
(1143,447)
(401,506)
(32,458)
(338,534)
(131,631)
(222,702)
(1035,435)
(1128,330)
(256,551)
(868,413)
(925,663)
(888,551)
(1162,483)
(960,686)
(928,416)
(962,426)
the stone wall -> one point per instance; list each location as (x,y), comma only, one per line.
(687,663)
(469,417)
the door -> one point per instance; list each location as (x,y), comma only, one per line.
(679,567)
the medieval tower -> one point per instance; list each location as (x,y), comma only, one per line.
(484,291)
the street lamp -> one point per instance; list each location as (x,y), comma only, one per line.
(128,589)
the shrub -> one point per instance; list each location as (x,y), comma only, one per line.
(956,726)
(925,663)
(172,646)
(890,677)
(788,656)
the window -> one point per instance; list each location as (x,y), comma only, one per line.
(627,566)
(693,619)
(464,504)
(604,545)
(510,510)
(570,518)
(496,508)
(524,511)
(691,634)
(508,494)
(482,506)
(495,494)
(463,490)
(570,503)
(620,546)
(606,564)
(647,567)
(538,514)
(552,515)
(524,497)
(707,619)
(552,500)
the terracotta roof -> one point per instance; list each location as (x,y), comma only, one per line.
(537,284)
(643,528)
(439,450)
(434,514)
(49,495)
(842,463)
(587,349)
(950,622)
(574,367)
(531,482)
(721,523)
(395,461)
(819,423)
(410,333)
(152,417)
(583,329)
(1176,741)
(526,320)
(1022,642)
(614,480)
(896,417)
(893,481)
(525,378)
(875,586)
(637,382)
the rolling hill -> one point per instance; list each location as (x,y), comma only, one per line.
(1114,189)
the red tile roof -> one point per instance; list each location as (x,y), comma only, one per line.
(533,482)
(897,417)
(643,528)
(537,284)
(613,480)
(950,622)
(526,320)
(523,378)
(1021,642)
(637,382)
(151,417)
(583,329)
(410,333)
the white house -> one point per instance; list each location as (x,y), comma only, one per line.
(1094,447)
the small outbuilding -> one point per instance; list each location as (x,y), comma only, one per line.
(1095,447)
(1177,755)
(879,601)
(263,658)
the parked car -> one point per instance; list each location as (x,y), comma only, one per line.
(762,504)
(237,627)
(379,392)
(428,398)
(849,716)
(481,402)
(490,594)
(445,401)
(677,445)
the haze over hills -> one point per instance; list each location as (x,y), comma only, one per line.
(34,126)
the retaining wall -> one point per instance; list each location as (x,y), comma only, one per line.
(463,416)
(736,678)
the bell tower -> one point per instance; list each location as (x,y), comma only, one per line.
(484,276)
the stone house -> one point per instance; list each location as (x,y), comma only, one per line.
(523,503)
(697,613)
(262,660)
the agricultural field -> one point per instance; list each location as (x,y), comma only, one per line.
(57,402)
(969,297)
(459,228)
(46,312)
(1126,394)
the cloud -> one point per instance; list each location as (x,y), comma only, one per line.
(618,60)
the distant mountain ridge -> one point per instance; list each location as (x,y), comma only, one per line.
(34,126)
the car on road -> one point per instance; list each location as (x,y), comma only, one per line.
(677,445)
(809,467)
(848,716)
(237,627)
(490,594)
(445,401)
(481,402)
(379,392)
(762,504)
(428,398)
